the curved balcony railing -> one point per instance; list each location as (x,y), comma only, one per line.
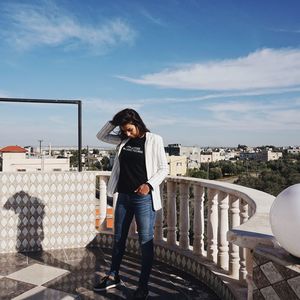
(207,228)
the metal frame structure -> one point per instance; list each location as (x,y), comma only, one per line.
(50,101)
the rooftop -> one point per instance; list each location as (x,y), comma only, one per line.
(13,149)
(71,273)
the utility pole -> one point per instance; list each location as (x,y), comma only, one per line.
(208,168)
(40,141)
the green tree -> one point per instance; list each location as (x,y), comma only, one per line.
(197,173)
(215,173)
(105,164)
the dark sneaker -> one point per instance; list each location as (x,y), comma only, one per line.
(107,282)
(141,293)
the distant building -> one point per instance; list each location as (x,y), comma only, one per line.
(177,165)
(267,155)
(14,159)
(195,155)
(192,154)
(293,150)
(248,155)
(263,155)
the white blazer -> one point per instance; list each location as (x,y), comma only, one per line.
(155,159)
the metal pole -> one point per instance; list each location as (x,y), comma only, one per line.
(79,135)
(52,101)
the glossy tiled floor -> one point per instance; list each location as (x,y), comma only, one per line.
(71,273)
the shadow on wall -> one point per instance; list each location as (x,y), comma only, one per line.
(31,211)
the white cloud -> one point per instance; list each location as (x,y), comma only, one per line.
(263,69)
(252,106)
(152,18)
(110,107)
(48,25)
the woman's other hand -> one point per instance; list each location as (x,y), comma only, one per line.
(143,189)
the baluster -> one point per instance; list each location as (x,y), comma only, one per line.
(212,225)
(171,213)
(222,230)
(198,245)
(132,228)
(115,199)
(249,277)
(234,249)
(242,252)
(103,203)
(158,229)
(184,219)
(250,211)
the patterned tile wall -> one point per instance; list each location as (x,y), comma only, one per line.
(46,210)
(274,281)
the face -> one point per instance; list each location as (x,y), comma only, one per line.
(130,130)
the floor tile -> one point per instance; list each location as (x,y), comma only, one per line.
(81,268)
(37,274)
(41,292)
(55,258)
(10,288)
(12,262)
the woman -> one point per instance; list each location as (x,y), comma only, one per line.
(140,166)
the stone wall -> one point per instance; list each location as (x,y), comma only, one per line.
(46,210)
(276,274)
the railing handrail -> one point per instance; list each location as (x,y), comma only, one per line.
(257,229)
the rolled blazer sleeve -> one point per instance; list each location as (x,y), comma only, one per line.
(162,165)
(105,134)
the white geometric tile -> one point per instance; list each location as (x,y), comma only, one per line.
(271,272)
(269,293)
(37,274)
(41,292)
(295,285)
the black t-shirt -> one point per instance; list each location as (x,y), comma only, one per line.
(132,165)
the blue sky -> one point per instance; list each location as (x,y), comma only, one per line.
(207,73)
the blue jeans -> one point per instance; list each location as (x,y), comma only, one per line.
(129,205)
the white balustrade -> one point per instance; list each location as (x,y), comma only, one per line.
(219,211)
(102,202)
(158,228)
(198,222)
(184,219)
(243,219)
(171,213)
(222,230)
(132,228)
(234,249)
(212,225)
(249,276)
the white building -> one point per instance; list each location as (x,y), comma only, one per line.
(268,155)
(14,159)
(294,150)
(177,165)
(264,155)
(192,154)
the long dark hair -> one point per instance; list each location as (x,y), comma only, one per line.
(129,116)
